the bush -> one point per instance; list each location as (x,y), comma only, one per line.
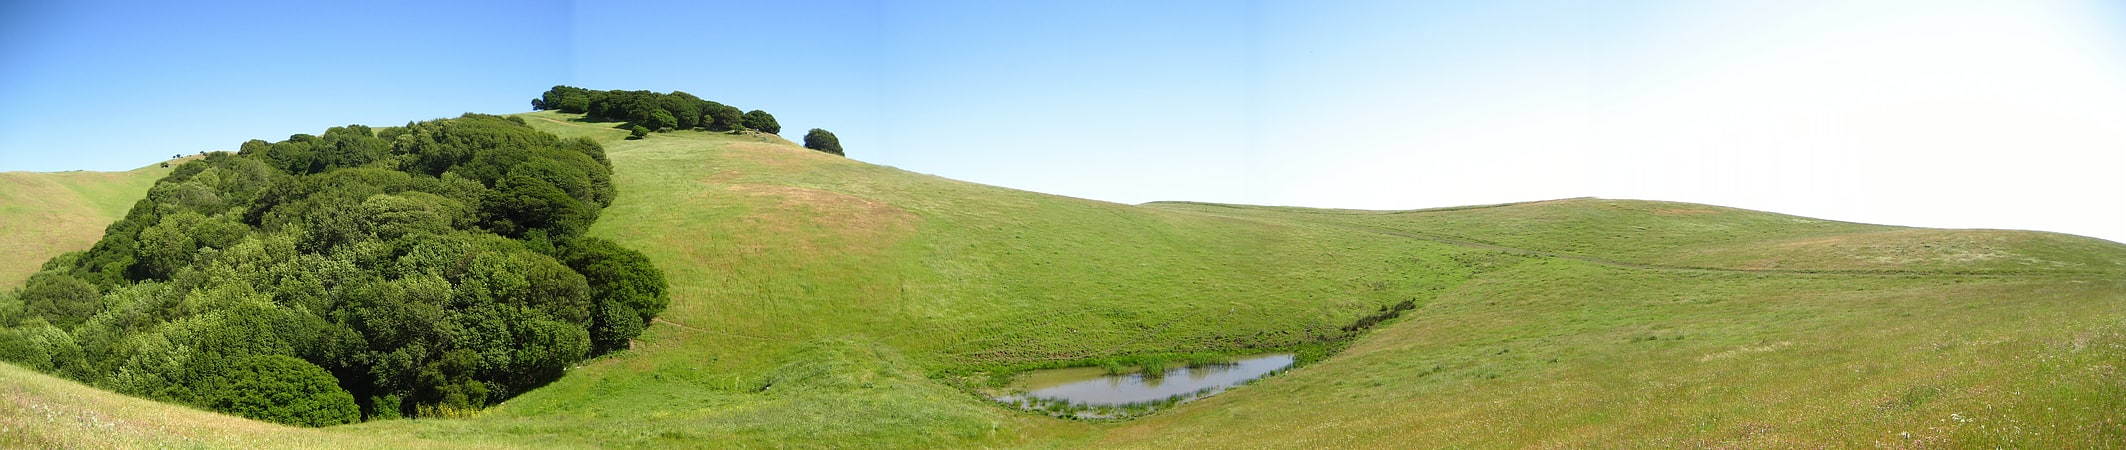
(661,120)
(281,389)
(822,140)
(638,132)
(721,117)
(761,120)
(42,347)
(61,299)
(627,290)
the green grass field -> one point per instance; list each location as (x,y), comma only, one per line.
(45,214)
(825,302)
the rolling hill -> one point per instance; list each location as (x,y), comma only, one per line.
(45,214)
(819,301)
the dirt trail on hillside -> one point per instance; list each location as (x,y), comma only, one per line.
(563,122)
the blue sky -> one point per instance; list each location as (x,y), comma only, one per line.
(1947,113)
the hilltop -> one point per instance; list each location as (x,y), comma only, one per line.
(823,301)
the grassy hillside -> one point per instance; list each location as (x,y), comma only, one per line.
(821,301)
(46,214)
(1669,234)
(40,411)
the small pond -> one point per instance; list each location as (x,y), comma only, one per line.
(1103,393)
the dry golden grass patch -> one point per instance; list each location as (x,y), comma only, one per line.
(779,158)
(859,224)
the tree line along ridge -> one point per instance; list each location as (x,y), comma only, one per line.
(646,112)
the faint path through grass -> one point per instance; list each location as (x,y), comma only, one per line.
(721,333)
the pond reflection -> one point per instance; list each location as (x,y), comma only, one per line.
(1072,391)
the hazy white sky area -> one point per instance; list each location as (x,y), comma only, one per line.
(1958,114)
(1972,114)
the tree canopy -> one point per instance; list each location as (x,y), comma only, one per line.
(439,265)
(281,389)
(822,140)
(761,120)
(654,111)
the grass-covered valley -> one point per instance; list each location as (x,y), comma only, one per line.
(819,301)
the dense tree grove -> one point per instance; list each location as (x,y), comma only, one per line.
(822,140)
(438,266)
(654,111)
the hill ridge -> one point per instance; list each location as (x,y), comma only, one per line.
(1467,242)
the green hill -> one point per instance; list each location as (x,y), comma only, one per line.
(822,301)
(45,214)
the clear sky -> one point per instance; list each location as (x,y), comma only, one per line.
(1940,113)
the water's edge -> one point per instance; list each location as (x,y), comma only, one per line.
(1096,393)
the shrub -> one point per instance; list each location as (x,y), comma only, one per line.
(761,120)
(660,119)
(627,289)
(282,389)
(42,347)
(721,117)
(385,407)
(638,132)
(61,299)
(822,140)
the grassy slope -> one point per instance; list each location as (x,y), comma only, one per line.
(1691,235)
(44,214)
(838,286)
(1557,351)
(41,411)
(814,295)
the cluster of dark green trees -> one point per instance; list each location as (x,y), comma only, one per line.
(646,112)
(416,270)
(654,111)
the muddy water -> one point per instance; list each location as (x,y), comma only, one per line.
(1093,386)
